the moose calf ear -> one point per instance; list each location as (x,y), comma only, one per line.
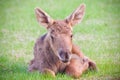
(43,18)
(76,16)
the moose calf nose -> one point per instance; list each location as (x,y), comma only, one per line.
(64,56)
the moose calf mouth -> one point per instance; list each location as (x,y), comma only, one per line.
(65,61)
(64,56)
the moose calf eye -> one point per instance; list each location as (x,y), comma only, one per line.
(71,36)
(52,37)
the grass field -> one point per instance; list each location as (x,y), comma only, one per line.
(98,36)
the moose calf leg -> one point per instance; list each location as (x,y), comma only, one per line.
(31,66)
(76,68)
(49,72)
(75,50)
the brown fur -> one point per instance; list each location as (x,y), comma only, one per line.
(54,52)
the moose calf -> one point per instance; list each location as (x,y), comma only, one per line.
(54,52)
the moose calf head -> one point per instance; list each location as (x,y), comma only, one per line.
(59,33)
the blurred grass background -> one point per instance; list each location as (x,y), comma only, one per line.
(98,36)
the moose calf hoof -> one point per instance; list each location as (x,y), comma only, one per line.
(31,68)
(49,72)
(92,66)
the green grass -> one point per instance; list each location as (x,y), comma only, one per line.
(98,36)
